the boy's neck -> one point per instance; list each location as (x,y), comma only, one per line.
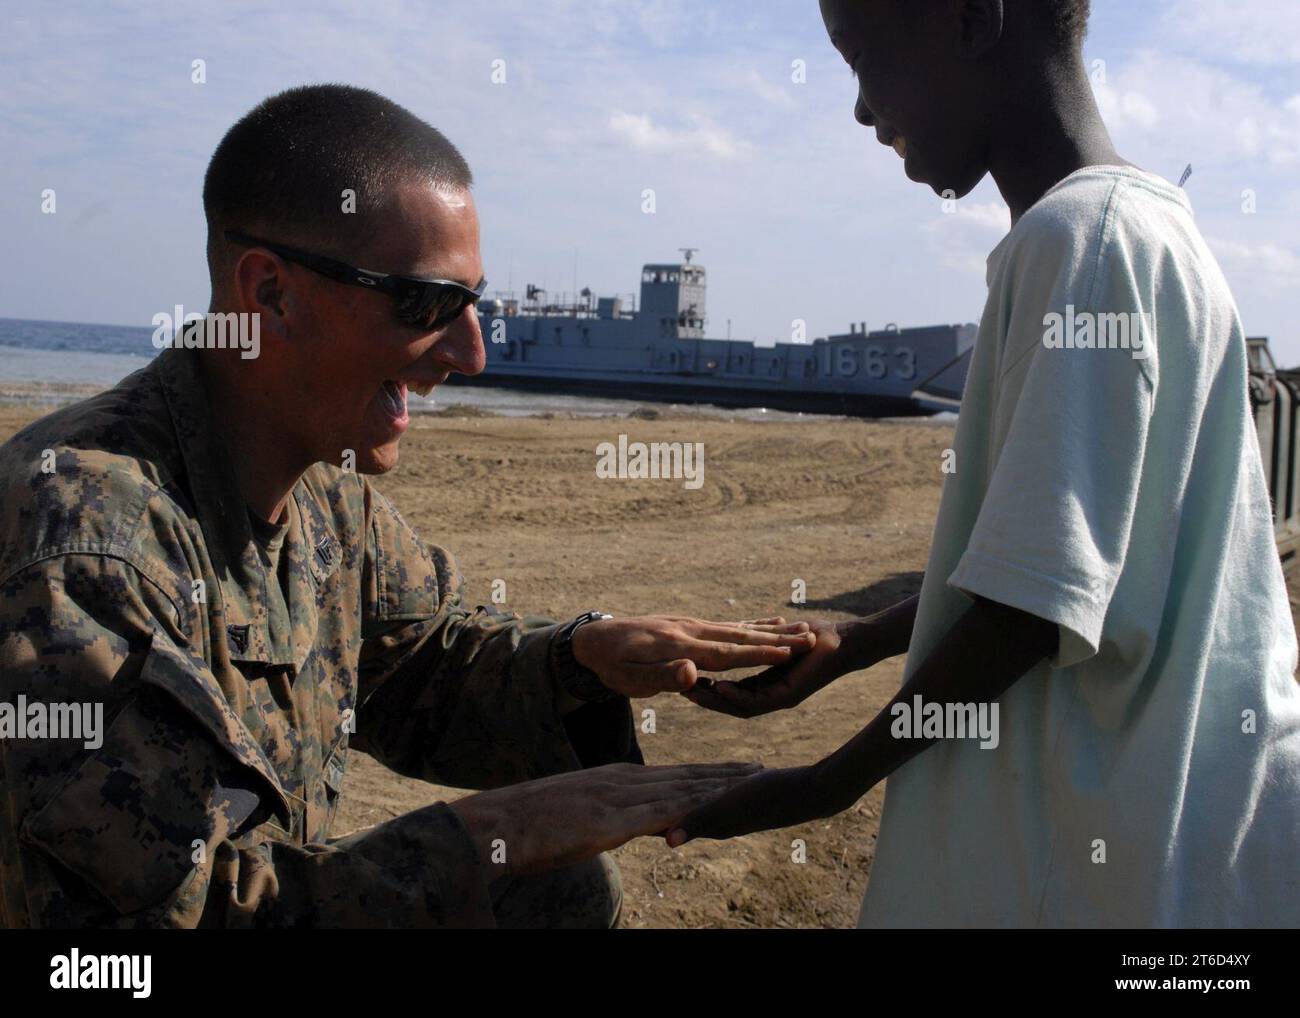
(1052,129)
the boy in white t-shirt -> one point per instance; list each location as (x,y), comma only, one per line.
(1101,659)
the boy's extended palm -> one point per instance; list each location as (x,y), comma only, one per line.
(780,687)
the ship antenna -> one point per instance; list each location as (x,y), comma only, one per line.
(688,251)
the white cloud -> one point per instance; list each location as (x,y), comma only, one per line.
(645,135)
(962,238)
(661,23)
(1270,267)
(1124,109)
(1263,32)
(1168,110)
(990,216)
(768,92)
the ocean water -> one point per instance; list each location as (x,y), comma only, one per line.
(71,353)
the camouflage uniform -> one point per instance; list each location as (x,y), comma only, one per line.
(228,722)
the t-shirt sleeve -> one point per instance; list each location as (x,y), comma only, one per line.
(1053,531)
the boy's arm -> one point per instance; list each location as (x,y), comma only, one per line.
(988,649)
(841,648)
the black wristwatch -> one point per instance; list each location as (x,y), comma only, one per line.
(579,681)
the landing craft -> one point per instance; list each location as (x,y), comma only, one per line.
(656,349)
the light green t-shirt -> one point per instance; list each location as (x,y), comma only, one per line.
(1150,775)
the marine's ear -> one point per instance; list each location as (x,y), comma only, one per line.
(259,282)
(981,26)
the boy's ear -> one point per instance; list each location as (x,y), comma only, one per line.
(981,26)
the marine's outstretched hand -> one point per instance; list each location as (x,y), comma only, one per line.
(648,654)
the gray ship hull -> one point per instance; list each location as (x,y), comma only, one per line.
(659,352)
(660,391)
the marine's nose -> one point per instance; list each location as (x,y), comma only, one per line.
(461,347)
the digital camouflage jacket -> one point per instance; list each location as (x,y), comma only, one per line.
(129,578)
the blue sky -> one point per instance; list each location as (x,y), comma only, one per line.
(796,210)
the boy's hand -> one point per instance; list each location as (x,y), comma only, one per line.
(650,654)
(841,647)
(783,686)
(767,800)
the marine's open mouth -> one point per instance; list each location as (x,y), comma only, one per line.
(392,396)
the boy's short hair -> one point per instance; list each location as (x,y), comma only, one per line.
(284,166)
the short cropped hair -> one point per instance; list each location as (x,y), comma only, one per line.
(283,168)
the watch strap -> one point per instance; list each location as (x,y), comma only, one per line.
(579,681)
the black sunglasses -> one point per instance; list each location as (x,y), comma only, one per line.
(425,303)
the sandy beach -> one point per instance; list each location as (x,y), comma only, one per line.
(846,506)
